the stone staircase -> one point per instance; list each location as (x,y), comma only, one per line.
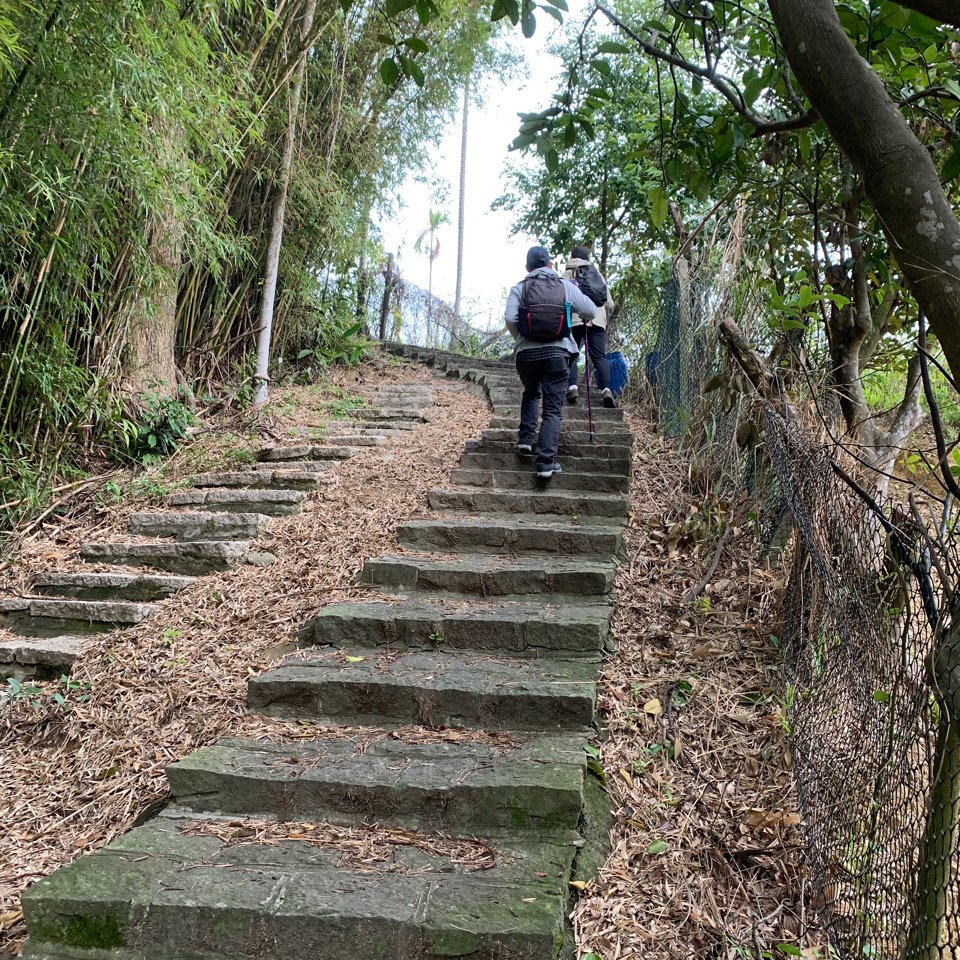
(212,526)
(444,806)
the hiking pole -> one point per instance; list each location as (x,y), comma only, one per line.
(586,367)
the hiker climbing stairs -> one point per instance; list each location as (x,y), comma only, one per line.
(212,526)
(444,805)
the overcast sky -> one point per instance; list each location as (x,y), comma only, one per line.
(493,259)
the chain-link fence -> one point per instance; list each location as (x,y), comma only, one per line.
(869,635)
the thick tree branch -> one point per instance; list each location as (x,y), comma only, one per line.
(900,179)
(722,84)
(943,11)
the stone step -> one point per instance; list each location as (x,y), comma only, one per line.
(51,618)
(506,535)
(462,789)
(511,460)
(269,503)
(527,480)
(429,689)
(577,445)
(196,558)
(43,658)
(188,527)
(141,588)
(491,576)
(510,407)
(261,479)
(159,893)
(381,428)
(528,629)
(304,466)
(606,431)
(306,451)
(550,502)
(391,415)
(362,439)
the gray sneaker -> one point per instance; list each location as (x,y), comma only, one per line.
(573,394)
(524,449)
(608,400)
(546,471)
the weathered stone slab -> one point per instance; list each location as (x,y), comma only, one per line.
(533,502)
(511,535)
(71,617)
(271,503)
(23,657)
(109,586)
(296,479)
(527,480)
(461,789)
(533,629)
(603,429)
(308,451)
(491,576)
(201,525)
(156,894)
(191,558)
(432,689)
(301,466)
(574,444)
(511,460)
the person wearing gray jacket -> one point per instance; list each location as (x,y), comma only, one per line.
(595,331)
(543,365)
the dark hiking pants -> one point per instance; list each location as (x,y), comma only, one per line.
(543,373)
(599,367)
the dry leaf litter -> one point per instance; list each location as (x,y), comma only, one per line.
(71,780)
(706,857)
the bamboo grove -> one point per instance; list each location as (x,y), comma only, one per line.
(140,146)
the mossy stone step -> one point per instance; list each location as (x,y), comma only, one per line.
(462,789)
(135,587)
(55,617)
(510,460)
(549,502)
(568,434)
(491,576)
(188,527)
(199,557)
(270,503)
(44,658)
(307,451)
(606,431)
(527,479)
(430,689)
(261,479)
(505,441)
(158,894)
(506,535)
(304,466)
(577,415)
(529,629)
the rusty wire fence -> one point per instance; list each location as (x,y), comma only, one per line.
(870,636)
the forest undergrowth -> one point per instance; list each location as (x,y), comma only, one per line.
(706,855)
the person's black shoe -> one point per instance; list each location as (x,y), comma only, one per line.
(608,400)
(547,470)
(524,449)
(573,394)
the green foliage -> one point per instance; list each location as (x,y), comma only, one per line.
(157,433)
(58,695)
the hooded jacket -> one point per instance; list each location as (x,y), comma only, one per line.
(581,305)
(600,319)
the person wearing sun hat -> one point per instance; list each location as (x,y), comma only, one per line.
(538,315)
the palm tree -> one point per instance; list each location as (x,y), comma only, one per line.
(436,219)
(463,196)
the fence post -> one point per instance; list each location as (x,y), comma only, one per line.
(387,291)
(931,899)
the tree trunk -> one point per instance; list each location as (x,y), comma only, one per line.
(149,363)
(932,899)
(463,198)
(430,294)
(265,332)
(900,179)
(387,291)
